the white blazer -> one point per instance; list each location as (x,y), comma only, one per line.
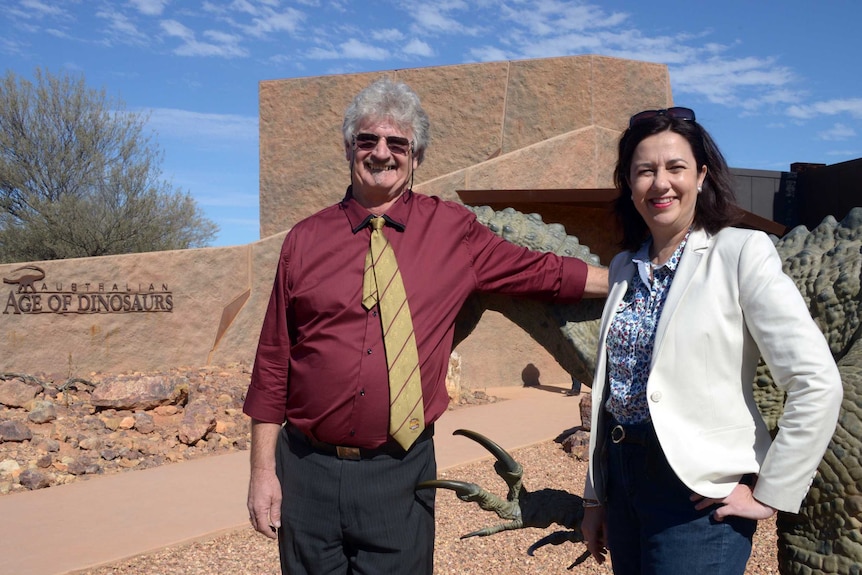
(729,303)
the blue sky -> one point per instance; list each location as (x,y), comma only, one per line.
(775,82)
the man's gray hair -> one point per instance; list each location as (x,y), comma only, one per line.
(394,100)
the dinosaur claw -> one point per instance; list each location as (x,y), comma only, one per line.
(464,490)
(508,464)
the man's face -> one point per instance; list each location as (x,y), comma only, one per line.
(381,170)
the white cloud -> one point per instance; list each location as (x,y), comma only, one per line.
(201,127)
(353,48)
(837,132)
(548,17)
(270,21)
(177,30)
(745,82)
(387,35)
(121,28)
(318,54)
(39,9)
(846,154)
(489,54)
(852,106)
(149,7)
(432,19)
(221,43)
(416,47)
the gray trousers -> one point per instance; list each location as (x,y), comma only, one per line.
(355,517)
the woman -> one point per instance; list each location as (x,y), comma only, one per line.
(682,465)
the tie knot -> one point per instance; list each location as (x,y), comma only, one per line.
(377,223)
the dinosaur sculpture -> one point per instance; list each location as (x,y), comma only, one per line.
(826,264)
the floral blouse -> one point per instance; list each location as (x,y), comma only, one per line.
(631,335)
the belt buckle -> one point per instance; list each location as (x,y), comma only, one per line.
(618,433)
(350,453)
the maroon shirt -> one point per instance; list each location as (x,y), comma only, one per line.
(320,360)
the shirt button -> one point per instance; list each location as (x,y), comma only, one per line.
(368,351)
(352,432)
(655,396)
(362,392)
(374,313)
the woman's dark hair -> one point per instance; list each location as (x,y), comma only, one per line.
(716,206)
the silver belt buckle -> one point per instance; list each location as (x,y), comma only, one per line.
(618,433)
(351,453)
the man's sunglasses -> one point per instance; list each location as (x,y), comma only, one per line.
(677,113)
(396,144)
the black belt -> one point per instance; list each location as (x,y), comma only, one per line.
(352,453)
(637,433)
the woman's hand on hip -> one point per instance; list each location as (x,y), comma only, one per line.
(740,503)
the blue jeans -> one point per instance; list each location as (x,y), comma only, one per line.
(653,528)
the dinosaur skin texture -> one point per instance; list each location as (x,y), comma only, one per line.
(826,264)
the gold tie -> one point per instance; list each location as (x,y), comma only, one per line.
(382,284)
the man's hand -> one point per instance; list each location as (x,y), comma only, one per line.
(594,528)
(264,502)
(264,488)
(740,503)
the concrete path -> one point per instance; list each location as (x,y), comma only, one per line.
(105,519)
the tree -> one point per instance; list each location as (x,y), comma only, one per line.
(79,177)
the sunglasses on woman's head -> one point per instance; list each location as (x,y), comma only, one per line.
(396,144)
(677,113)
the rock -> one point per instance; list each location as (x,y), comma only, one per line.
(83,439)
(166,410)
(198,420)
(111,422)
(109,454)
(144,422)
(42,412)
(140,392)
(90,443)
(82,466)
(586,410)
(130,454)
(17,393)
(9,467)
(48,445)
(34,479)
(578,445)
(14,431)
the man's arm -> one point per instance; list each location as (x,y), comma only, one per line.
(597,282)
(264,489)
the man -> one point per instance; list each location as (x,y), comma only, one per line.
(332,475)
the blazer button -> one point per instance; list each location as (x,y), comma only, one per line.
(655,396)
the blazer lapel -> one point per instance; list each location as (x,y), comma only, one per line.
(619,283)
(692,255)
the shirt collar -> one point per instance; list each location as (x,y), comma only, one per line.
(641,259)
(358,217)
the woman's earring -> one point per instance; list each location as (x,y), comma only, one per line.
(699,189)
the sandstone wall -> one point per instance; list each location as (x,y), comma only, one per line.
(138,312)
(561,115)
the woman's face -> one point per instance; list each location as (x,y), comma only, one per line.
(664,178)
